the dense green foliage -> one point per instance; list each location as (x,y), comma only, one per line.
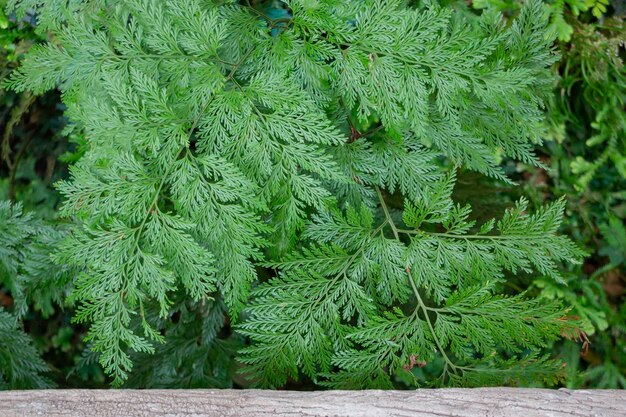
(587,153)
(267,192)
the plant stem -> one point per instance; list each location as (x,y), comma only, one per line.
(453,236)
(420,303)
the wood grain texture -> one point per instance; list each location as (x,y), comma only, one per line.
(483,402)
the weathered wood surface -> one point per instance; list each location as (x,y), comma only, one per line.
(483,402)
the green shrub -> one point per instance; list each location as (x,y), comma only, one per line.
(287,169)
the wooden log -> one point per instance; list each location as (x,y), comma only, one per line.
(483,402)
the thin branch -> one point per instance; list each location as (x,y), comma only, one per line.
(420,303)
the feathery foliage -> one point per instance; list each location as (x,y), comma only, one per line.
(25,267)
(221,141)
(367,296)
(586,147)
(25,271)
(20,364)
